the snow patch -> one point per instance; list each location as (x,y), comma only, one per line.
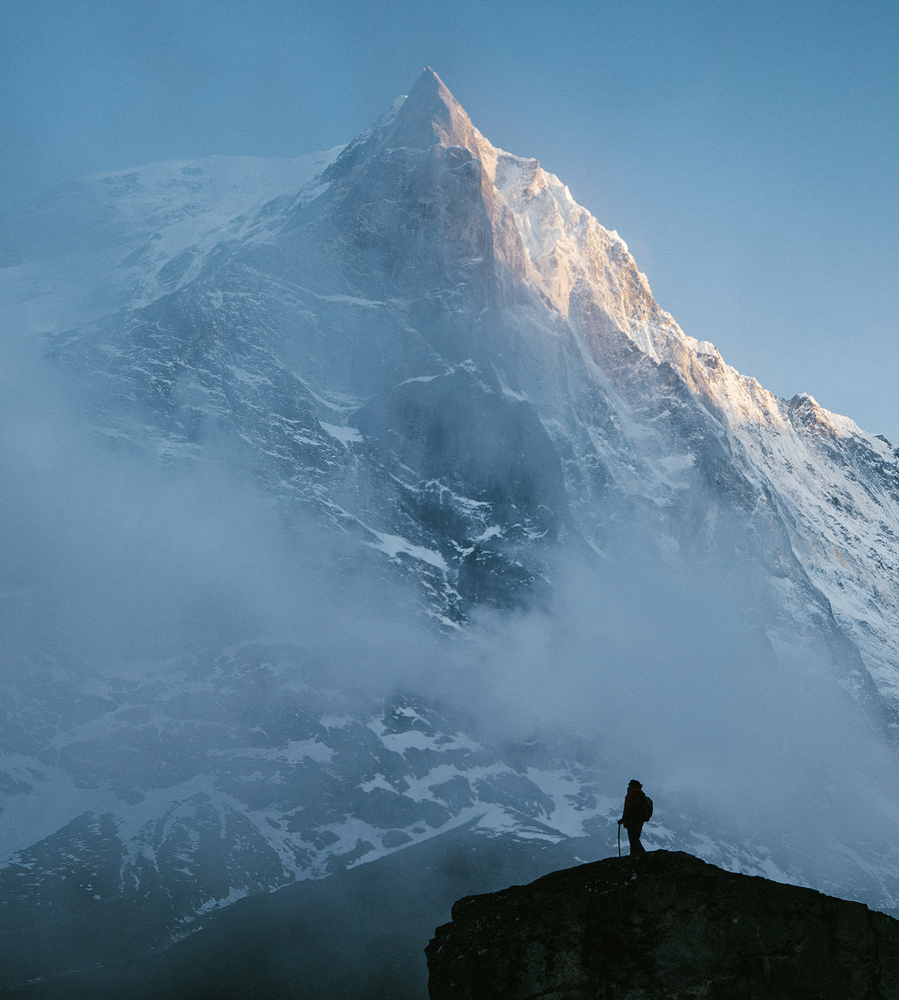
(346,435)
(394,545)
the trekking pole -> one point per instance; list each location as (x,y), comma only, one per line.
(619,840)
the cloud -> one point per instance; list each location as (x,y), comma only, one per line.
(662,670)
(667,672)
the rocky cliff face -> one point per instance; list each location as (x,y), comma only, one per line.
(665,925)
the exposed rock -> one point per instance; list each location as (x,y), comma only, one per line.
(663,925)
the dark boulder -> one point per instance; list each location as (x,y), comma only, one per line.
(663,925)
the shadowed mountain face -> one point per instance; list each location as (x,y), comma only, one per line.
(360,934)
(360,497)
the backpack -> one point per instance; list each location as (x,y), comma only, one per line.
(644,808)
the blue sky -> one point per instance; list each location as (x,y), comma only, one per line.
(747,152)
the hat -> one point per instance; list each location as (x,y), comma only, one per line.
(633,783)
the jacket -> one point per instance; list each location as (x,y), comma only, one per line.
(632,803)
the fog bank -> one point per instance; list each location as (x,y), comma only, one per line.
(659,668)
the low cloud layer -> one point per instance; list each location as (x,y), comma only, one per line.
(119,559)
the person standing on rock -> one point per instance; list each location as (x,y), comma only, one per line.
(637,810)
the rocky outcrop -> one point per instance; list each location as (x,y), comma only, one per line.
(663,925)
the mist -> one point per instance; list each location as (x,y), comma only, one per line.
(662,669)
(658,667)
(120,555)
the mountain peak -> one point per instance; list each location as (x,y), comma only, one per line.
(430,87)
(431,115)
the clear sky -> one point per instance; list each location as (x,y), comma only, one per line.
(748,152)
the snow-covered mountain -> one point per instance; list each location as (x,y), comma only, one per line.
(506,532)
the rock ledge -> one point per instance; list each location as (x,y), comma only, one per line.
(664,925)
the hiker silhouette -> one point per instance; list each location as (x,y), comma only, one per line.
(637,810)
